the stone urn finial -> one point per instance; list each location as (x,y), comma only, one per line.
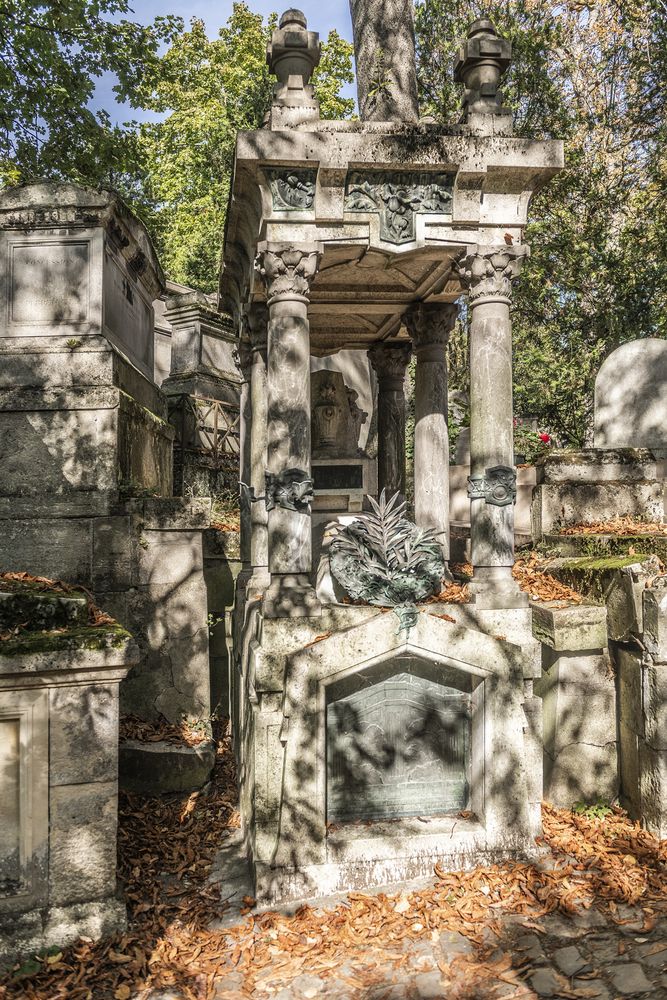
(482,60)
(293,50)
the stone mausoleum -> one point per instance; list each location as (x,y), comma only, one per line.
(360,237)
(383,717)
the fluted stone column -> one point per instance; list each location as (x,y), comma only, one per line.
(389,362)
(429,325)
(257,320)
(487,272)
(287,271)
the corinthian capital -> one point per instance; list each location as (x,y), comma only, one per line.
(287,271)
(430,324)
(488,272)
(389,362)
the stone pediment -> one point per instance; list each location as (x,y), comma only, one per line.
(377,639)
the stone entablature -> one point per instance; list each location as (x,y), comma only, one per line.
(445,197)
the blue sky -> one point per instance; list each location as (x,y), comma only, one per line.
(322,17)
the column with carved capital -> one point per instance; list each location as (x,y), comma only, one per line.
(429,325)
(389,362)
(257,321)
(488,272)
(287,271)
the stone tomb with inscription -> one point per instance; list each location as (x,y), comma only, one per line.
(360,237)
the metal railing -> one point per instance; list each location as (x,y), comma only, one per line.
(208,427)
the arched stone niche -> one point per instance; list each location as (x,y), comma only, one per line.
(399,741)
(302,848)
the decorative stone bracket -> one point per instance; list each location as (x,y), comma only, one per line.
(291,490)
(496,487)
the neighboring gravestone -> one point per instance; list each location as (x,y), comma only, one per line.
(631,397)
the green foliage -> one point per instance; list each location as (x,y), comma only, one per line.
(208,90)
(600,809)
(50,56)
(595,75)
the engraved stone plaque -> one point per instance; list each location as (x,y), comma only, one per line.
(128,318)
(50,283)
(398,746)
(338,477)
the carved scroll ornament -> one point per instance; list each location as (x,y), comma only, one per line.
(398,197)
(291,490)
(496,487)
(292,190)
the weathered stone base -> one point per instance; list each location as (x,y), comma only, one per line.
(59,926)
(161,768)
(292,670)
(388,853)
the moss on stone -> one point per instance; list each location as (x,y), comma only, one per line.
(606,545)
(90,637)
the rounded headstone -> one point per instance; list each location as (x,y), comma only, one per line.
(631,397)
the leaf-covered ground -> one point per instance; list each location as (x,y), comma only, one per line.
(460,929)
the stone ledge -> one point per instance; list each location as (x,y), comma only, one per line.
(576,627)
(25,934)
(113,653)
(161,768)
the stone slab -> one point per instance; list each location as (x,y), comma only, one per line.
(82,846)
(162,768)
(576,627)
(632,411)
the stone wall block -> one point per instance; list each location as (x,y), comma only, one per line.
(56,548)
(83,734)
(82,863)
(562,504)
(630,689)
(169,557)
(579,705)
(654,679)
(112,545)
(579,626)
(170,623)
(630,769)
(655,622)
(653,789)
(59,445)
